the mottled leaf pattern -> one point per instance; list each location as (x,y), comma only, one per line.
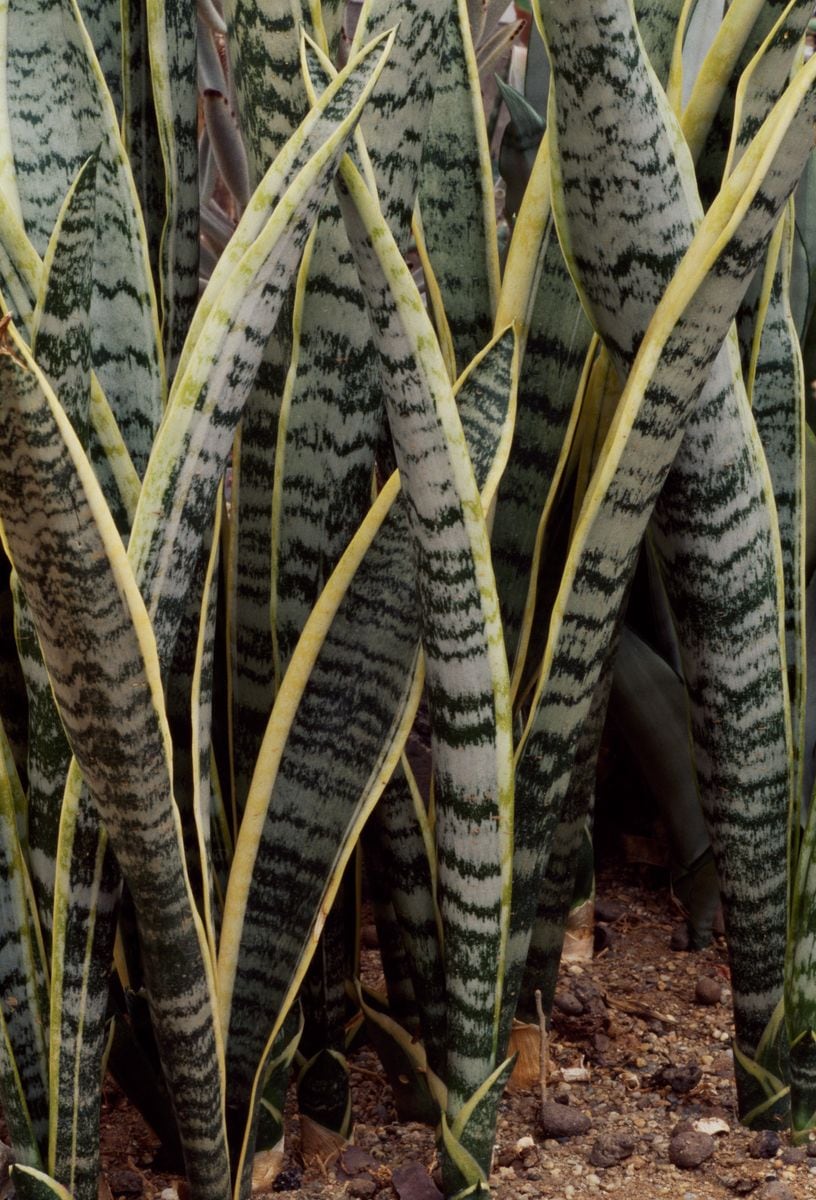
(60,114)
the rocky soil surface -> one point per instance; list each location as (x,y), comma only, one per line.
(652,1115)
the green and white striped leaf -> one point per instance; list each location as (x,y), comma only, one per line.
(171,33)
(61,112)
(23,987)
(60,330)
(659,25)
(140,131)
(456,193)
(402,830)
(232,324)
(398,117)
(86,899)
(578,634)
(466,668)
(709,117)
(777,389)
(538,292)
(103,19)
(367,613)
(93,628)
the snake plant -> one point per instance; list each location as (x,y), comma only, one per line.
(267,505)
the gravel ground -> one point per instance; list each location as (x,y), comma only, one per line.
(655,1116)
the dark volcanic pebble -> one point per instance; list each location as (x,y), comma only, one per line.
(688,1150)
(793,1154)
(561,1121)
(708,990)
(362,1187)
(412,1182)
(611,1148)
(775,1190)
(679,1079)
(125,1183)
(765,1144)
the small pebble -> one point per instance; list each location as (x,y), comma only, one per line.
(611,1149)
(765,1144)
(679,1079)
(125,1183)
(708,990)
(775,1190)
(690,1148)
(362,1187)
(793,1154)
(562,1121)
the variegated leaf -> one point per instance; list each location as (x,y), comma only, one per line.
(101,658)
(456,193)
(61,112)
(23,987)
(467,678)
(86,897)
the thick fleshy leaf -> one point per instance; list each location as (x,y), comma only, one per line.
(61,112)
(104,21)
(456,193)
(171,33)
(86,895)
(367,613)
(396,121)
(401,827)
(232,324)
(24,1009)
(538,292)
(101,658)
(467,679)
(779,150)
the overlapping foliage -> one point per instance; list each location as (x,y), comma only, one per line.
(267,507)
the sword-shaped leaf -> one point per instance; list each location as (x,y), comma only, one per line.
(86,900)
(293,846)
(101,659)
(579,632)
(23,987)
(225,344)
(396,121)
(61,112)
(171,32)
(456,193)
(466,667)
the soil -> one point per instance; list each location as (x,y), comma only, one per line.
(658,1064)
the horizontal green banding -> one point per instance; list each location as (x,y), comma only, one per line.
(101,659)
(466,668)
(657,24)
(397,118)
(330,426)
(376,626)
(233,322)
(49,757)
(642,445)
(554,356)
(86,901)
(61,113)
(629,158)
(103,19)
(483,397)
(23,994)
(171,31)
(61,335)
(745,31)
(263,42)
(456,193)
